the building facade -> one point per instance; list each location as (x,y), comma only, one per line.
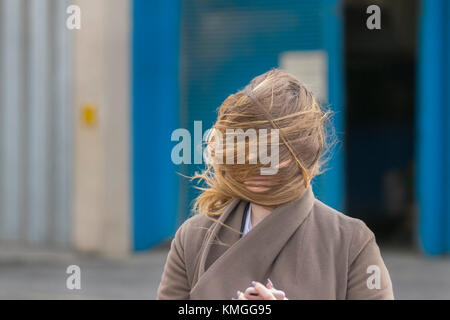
(87,114)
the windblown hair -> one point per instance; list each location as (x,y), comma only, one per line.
(273,100)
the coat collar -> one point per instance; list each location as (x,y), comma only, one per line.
(223,269)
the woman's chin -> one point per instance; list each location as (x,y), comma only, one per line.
(257,189)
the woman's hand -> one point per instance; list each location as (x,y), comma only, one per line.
(260,292)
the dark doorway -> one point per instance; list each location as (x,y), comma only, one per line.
(380,68)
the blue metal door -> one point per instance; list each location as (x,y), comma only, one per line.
(227,43)
(223,45)
(433,127)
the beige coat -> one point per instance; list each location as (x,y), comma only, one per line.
(306,248)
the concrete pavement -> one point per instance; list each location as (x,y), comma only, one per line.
(37,274)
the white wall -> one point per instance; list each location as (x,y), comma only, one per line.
(102,210)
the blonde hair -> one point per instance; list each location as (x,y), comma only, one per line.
(273,100)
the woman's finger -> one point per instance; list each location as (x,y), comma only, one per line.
(263,292)
(251,294)
(279,295)
(241,296)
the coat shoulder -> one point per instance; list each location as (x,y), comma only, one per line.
(341,228)
(193,230)
(196,221)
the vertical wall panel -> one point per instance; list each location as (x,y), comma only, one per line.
(39,105)
(446,116)
(11,102)
(101,84)
(432,169)
(155,111)
(64,125)
(35,112)
(332,182)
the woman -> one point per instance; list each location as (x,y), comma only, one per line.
(265,236)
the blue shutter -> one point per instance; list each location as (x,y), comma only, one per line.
(433,128)
(155,34)
(227,43)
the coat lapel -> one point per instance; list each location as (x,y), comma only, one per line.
(223,270)
(225,236)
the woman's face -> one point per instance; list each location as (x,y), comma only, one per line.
(261,183)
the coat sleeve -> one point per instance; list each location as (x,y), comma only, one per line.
(174,283)
(368,277)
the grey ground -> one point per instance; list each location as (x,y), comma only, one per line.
(38,274)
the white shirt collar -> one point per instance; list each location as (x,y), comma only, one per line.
(248,221)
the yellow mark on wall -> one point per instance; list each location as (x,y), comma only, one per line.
(89,114)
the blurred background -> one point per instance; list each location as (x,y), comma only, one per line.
(86,116)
